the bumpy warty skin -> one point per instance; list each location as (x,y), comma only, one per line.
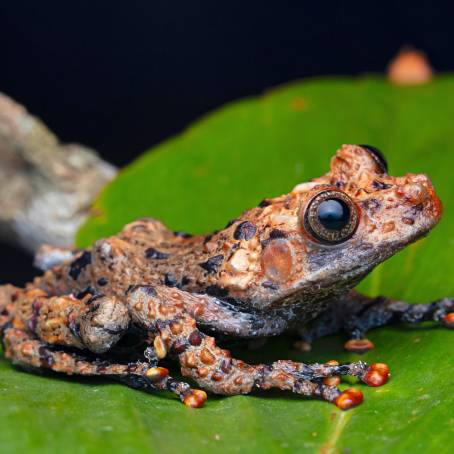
(147,294)
(265,261)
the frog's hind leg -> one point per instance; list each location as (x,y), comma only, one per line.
(95,323)
(41,332)
(29,353)
(214,369)
(356,314)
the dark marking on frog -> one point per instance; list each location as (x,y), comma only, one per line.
(245,231)
(212,264)
(36,306)
(79,264)
(102,281)
(270,285)
(276,233)
(170,280)
(195,338)
(154,254)
(87,291)
(215,290)
(185,281)
(417,209)
(148,289)
(179,346)
(379,185)
(94,298)
(371,204)
(74,328)
(45,357)
(226,365)
(182,234)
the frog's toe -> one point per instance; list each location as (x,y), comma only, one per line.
(302,346)
(359,346)
(332,380)
(377,374)
(349,398)
(448,320)
(195,399)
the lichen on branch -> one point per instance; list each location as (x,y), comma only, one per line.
(47,187)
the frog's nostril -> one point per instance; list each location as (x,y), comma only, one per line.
(414,193)
(419,195)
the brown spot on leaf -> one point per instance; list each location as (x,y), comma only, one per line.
(298,104)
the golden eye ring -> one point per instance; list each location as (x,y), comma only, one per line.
(331,217)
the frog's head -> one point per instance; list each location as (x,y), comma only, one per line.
(326,235)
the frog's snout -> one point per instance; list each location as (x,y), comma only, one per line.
(419,194)
(418,203)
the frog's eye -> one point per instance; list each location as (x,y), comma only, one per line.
(378,156)
(331,217)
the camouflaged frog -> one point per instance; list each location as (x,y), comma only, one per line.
(121,307)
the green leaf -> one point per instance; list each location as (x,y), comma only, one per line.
(229,161)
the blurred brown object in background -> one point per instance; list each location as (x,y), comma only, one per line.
(46,187)
(409,67)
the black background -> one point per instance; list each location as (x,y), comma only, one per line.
(122,76)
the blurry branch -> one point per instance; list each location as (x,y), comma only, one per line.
(46,187)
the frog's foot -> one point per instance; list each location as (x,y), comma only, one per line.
(448,320)
(381,311)
(357,314)
(359,346)
(158,378)
(27,352)
(214,369)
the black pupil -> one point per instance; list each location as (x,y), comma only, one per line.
(333,214)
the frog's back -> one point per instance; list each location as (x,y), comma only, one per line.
(144,252)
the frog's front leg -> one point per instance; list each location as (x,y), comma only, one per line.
(177,334)
(355,315)
(221,317)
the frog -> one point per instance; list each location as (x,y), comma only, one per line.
(148,297)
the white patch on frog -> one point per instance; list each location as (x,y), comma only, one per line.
(304,187)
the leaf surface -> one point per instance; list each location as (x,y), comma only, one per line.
(223,164)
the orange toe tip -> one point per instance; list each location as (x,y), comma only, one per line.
(196,399)
(349,398)
(448,320)
(332,381)
(377,374)
(359,346)
(156,374)
(332,362)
